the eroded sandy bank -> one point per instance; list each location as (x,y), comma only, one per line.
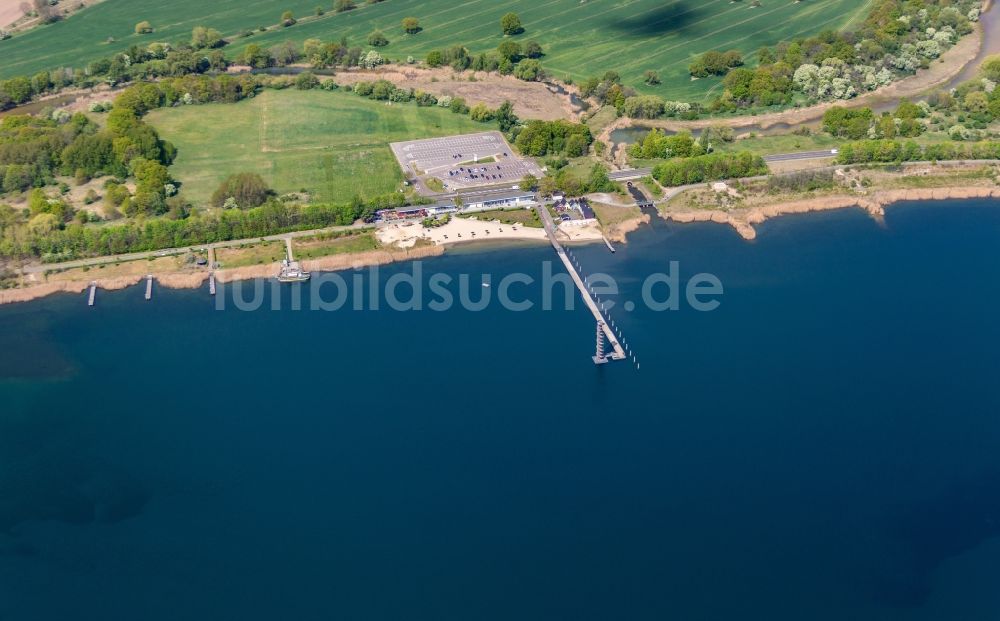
(744,220)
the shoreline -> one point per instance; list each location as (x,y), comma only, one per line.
(743,222)
(195,280)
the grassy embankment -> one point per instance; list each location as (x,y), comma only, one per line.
(579,39)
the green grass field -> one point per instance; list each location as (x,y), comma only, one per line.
(580,37)
(332,144)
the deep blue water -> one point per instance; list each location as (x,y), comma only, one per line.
(822,446)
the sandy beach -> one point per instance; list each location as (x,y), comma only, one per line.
(456,231)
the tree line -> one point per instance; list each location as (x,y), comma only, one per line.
(711,167)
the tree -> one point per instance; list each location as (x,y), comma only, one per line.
(765,56)
(533,50)
(599,180)
(202,37)
(510,24)
(651,78)
(505,116)
(377,39)
(255,56)
(341,6)
(510,50)
(143,27)
(247,189)
(529,182)
(411,25)
(287,19)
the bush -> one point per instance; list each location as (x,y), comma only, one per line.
(341,6)
(247,189)
(377,39)
(143,27)
(306,81)
(529,70)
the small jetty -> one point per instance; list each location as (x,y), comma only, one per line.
(93,293)
(607,242)
(149,287)
(211,283)
(603,331)
(291,271)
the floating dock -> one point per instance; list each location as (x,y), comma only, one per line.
(93,294)
(617,351)
(149,287)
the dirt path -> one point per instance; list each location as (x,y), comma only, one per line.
(941,71)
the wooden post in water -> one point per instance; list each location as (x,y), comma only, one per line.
(599,357)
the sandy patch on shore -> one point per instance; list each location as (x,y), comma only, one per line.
(580,232)
(457,230)
(618,232)
(531,100)
(874,204)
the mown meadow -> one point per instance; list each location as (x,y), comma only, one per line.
(331,144)
(580,38)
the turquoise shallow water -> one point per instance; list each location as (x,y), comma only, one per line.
(822,446)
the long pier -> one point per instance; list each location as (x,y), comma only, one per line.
(149,287)
(617,351)
(211,283)
(93,294)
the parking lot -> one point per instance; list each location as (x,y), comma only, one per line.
(464,161)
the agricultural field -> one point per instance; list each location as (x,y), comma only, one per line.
(580,37)
(332,144)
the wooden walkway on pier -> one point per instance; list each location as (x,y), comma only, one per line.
(617,351)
